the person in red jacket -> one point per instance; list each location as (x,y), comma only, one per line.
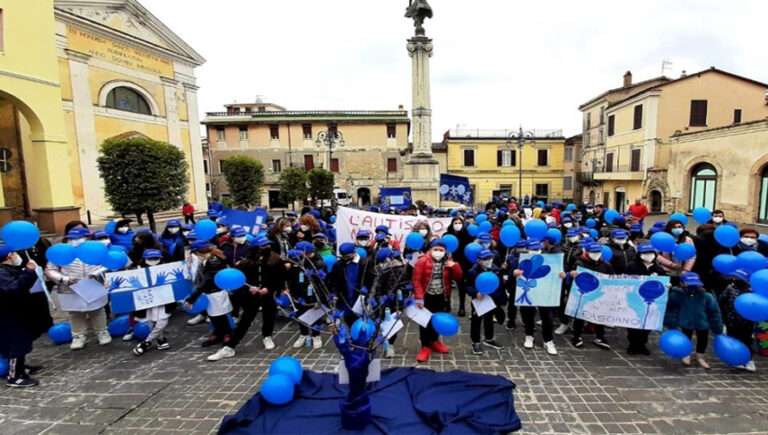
(638,210)
(189,213)
(432,278)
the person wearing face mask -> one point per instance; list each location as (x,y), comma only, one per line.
(222,232)
(280,237)
(186,229)
(623,252)
(749,241)
(156,317)
(363,240)
(87,312)
(545,313)
(718,218)
(691,307)
(306,228)
(458,229)
(173,240)
(592,259)
(16,329)
(644,264)
(383,229)
(103,238)
(485,261)
(120,232)
(346,279)
(321,245)
(237,247)
(737,326)
(676,268)
(566,224)
(303,283)
(142,241)
(432,277)
(572,252)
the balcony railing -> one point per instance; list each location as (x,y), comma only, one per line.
(619,168)
(459,133)
(268,114)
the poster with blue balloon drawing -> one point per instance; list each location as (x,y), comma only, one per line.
(625,301)
(456,189)
(540,284)
(137,289)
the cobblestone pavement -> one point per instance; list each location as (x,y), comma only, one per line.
(108,390)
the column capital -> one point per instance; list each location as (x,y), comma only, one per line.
(419,43)
(77,56)
(168,81)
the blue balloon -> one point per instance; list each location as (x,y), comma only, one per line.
(200,305)
(763,238)
(362,252)
(451,242)
(751,261)
(115,260)
(731,351)
(60,333)
(570,207)
(445,324)
(663,242)
(333,219)
(759,282)
(651,290)
(727,236)
(725,263)
(591,223)
(554,236)
(610,215)
(92,252)
(414,241)
(3,367)
(277,390)
(119,326)
(141,331)
(20,235)
(593,233)
(472,250)
(752,306)
(702,215)
(288,366)
(205,229)
(536,229)
(675,344)
(487,283)
(362,330)
(679,217)
(61,254)
(329,261)
(586,282)
(481,218)
(507,223)
(485,227)
(229,279)
(473,229)
(685,251)
(509,235)
(607,253)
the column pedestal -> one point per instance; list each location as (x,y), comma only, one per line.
(54,219)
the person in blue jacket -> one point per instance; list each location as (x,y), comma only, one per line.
(120,232)
(485,263)
(173,240)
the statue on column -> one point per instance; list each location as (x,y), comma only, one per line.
(418,10)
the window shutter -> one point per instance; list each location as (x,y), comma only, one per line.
(499,158)
(513,158)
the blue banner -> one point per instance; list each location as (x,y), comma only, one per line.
(456,189)
(250,220)
(138,289)
(395,196)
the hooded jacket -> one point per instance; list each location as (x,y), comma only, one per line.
(693,309)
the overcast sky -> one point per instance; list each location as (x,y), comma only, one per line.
(496,63)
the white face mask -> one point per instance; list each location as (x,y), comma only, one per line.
(122,230)
(173,230)
(534,252)
(423,233)
(153,262)
(595,256)
(677,231)
(364,243)
(221,230)
(486,245)
(573,239)
(717,219)
(17,260)
(748,241)
(438,255)
(287,230)
(240,240)
(104,242)
(304,228)
(620,241)
(185,233)
(487,263)
(648,258)
(457,227)
(567,224)
(76,242)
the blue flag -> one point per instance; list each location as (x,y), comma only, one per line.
(456,189)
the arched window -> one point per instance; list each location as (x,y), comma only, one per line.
(123,98)
(762,212)
(703,186)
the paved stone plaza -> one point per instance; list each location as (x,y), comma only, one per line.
(108,390)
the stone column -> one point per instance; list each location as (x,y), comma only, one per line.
(197,183)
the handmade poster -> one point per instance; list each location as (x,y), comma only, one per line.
(170,272)
(626,301)
(250,220)
(127,279)
(89,289)
(137,289)
(421,316)
(540,284)
(374,372)
(349,221)
(484,305)
(153,297)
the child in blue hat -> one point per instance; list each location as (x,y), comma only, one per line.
(485,263)
(157,317)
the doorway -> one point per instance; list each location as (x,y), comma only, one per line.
(655,201)
(363,197)
(620,201)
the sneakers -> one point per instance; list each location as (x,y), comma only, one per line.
(195,320)
(492,344)
(103,337)
(142,348)
(22,382)
(528,344)
(439,347)
(701,359)
(601,343)
(317,343)
(577,342)
(424,354)
(390,352)
(212,339)
(686,360)
(162,343)
(510,326)
(300,342)
(269,344)
(461,312)
(224,352)
(749,366)
(562,329)
(477,349)
(549,346)
(128,336)
(78,342)
(34,370)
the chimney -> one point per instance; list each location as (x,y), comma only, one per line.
(683,74)
(627,79)
(400,107)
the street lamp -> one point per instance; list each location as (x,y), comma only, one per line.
(330,140)
(520,138)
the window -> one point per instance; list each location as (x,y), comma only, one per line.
(221,166)
(391,131)
(235,110)
(208,188)
(309,161)
(586,139)
(334,165)
(306,130)
(602,115)
(243,132)
(611,124)
(568,154)
(737,116)
(609,162)
(762,211)
(567,183)
(391,165)
(589,120)
(542,192)
(703,186)
(634,164)
(274,131)
(698,113)
(469,157)
(127,99)
(638,120)
(277,165)
(542,157)
(205,166)
(505,158)
(600,137)
(220,136)
(248,109)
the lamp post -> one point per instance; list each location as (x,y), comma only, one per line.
(520,138)
(330,140)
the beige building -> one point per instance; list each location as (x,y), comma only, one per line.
(631,161)
(571,169)
(375,143)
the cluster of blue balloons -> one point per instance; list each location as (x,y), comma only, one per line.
(284,373)
(730,350)
(119,326)
(445,324)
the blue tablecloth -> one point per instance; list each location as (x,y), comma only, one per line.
(405,401)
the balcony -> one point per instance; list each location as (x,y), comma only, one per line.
(620,172)
(586,177)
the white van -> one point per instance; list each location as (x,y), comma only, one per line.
(342,197)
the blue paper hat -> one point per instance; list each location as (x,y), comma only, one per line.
(221,222)
(691,278)
(187,227)
(485,238)
(485,253)
(5,250)
(534,245)
(261,241)
(346,248)
(152,253)
(238,232)
(100,235)
(645,247)
(363,234)
(438,243)
(173,223)
(572,232)
(619,234)
(305,247)
(320,236)
(199,245)
(595,247)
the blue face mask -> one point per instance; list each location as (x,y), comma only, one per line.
(677,231)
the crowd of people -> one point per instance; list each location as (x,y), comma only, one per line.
(287,260)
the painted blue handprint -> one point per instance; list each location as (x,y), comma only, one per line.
(178,274)
(533,268)
(160,278)
(116,283)
(135,282)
